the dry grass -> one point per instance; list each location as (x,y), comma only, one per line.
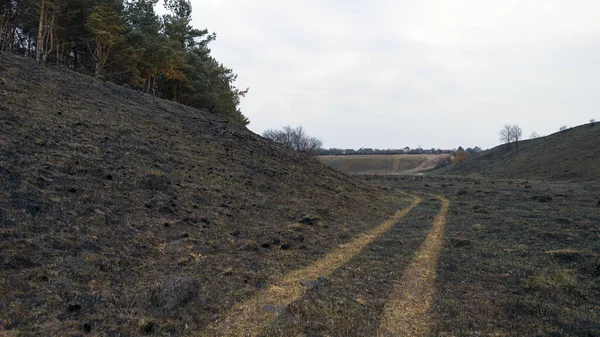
(408,311)
(125,215)
(107,195)
(250,317)
(511,265)
(569,155)
(350,301)
(381,164)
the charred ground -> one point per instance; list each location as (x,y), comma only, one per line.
(572,154)
(121,213)
(520,257)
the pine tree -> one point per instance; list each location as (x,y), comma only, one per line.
(212,86)
(41,30)
(144,34)
(127,43)
(177,25)
(8,25)
(183,37)
(107,30)
(72,35)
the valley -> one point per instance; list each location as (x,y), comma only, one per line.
(122,214)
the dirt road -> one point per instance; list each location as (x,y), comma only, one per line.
(359,288)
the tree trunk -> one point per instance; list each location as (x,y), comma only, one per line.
(75,58)
(150,85)
(11,46)
(98,56)
(98,70)
(49,33)
(39,48)
(2,38)
(3,27)
(63,50)
(4,35)
(57,47)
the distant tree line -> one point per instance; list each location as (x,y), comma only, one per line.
(127,43)
(370,151)
(299,140)
(461,155)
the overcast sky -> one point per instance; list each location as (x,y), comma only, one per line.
(389,74)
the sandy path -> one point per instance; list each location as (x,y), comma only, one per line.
(250,317)
(407,312)
(396,164)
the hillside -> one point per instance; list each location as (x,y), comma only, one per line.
(382,164)
(572,154)
(123,214)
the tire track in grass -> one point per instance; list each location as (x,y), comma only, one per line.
(350,301)
(396,164)
(407,311)
(250,317)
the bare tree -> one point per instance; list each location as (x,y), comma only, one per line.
(506,134)
(516,133)
(510,133)
(534,135)
(296,138)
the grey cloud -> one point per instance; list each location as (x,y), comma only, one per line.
(396,73)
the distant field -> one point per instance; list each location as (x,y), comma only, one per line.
(382,164)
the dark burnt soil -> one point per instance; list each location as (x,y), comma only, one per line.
(123,214)
(350,302)
(572,154)
(520,258)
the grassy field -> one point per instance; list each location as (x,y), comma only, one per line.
(381,164)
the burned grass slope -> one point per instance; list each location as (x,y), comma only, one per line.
(121,213)
(519,258)
(572,154)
